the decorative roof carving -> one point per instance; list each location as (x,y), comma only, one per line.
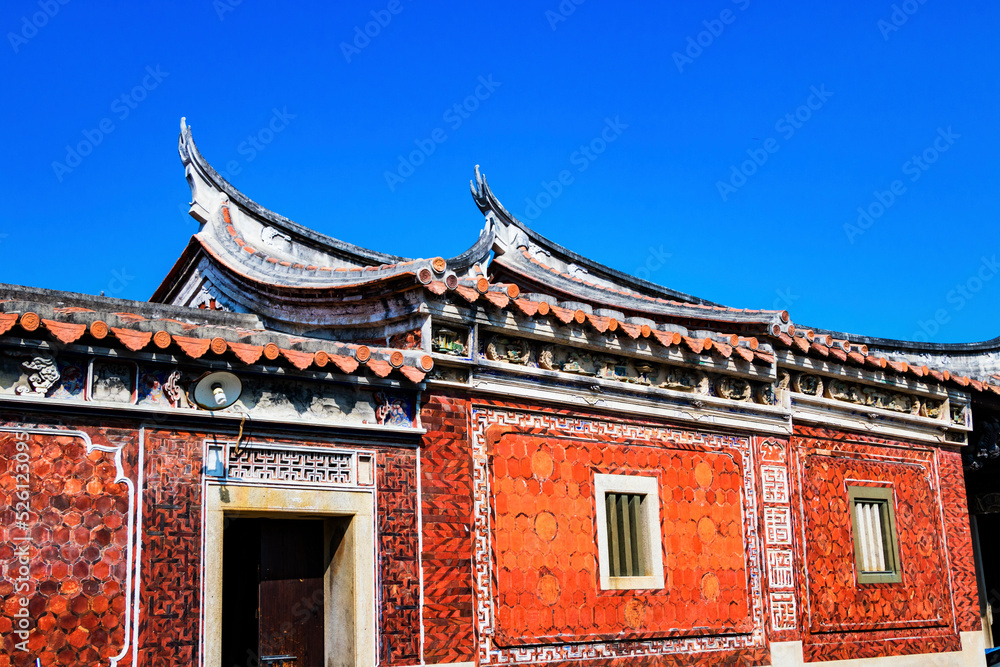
(262,249)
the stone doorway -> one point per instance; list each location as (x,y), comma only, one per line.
(289,573)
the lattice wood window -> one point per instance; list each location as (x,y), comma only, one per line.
(629,536)
(876,547)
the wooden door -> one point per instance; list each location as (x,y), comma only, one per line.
(290,594)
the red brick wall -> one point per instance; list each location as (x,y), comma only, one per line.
(76,546)
(171,550)
(842,619)
(76,601)
(543,597)
(545,540)
(446,504)
(399,595)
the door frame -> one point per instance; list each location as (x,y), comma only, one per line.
(356,564)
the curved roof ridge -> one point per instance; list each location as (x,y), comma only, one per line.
(912,345)
(190,154)
(488,202)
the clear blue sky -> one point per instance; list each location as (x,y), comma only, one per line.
(652,202)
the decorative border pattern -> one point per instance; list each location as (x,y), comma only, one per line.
(778,535)
(600,429)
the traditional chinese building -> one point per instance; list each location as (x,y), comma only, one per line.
(305,453)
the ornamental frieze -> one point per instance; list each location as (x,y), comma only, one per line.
(84,379)
(564,359)
(874,397)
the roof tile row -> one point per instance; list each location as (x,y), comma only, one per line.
(135,333)
(809,343)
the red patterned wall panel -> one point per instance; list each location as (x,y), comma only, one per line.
(446,504)
(536,571)
(959,538)
(67,554)
(399,608)
(171,550)
(841,618)
(545,541)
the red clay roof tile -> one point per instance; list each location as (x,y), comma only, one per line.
(193,347)
(66,332)
(413,374)
(379,367)
(133,340)
(301,360)
(248,354)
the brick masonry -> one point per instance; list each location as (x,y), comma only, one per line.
(756,543)
(937,596)
(537,586)
(446,505)
(79,600)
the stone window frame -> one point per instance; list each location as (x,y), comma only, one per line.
(650,531)
(884,497)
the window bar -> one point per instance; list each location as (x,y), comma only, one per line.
(863,526)
(879,542)
(872,537)
(613,535)
(639,568)
(626,537)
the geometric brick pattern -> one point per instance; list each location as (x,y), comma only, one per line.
(446,506)
(959,538)
(847,620)
(396,541)
(545,539)
(171,550)
(535,566)
(73,540)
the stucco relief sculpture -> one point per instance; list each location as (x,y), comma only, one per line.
(43,375)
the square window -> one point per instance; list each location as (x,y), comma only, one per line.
(629,536)
(876,547)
